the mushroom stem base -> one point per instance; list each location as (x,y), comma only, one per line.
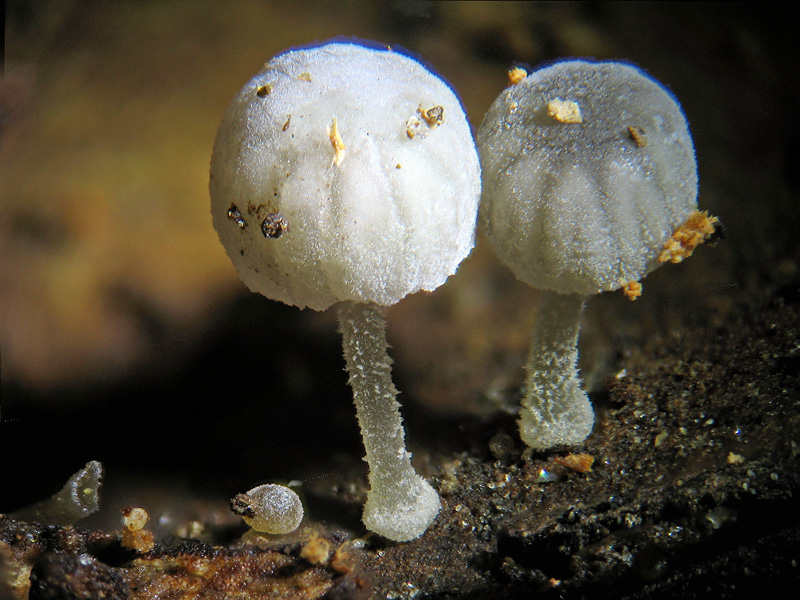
(555,410)
(400,504)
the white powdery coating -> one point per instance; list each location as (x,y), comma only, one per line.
(403,510)
(555,410)
(582,207)
(400,505)
(395,215)
(276,509)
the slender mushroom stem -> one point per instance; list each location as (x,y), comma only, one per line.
(400,504)
(555,409)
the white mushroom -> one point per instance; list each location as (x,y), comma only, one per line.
(588,169)
(345,173)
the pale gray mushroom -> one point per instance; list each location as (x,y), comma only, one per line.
(348,174)
(588,170)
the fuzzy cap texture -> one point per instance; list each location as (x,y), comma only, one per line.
(344,172)
(588,169)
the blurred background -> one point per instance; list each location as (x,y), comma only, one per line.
(126,335)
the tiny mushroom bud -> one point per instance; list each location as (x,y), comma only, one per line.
(355,228)
(588,170)
(270,508)
(134,518)
(79,498)
(134,535)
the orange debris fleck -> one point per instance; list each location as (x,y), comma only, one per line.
(342,561)
(694,231)
(433,116)
(336,142)
(637,135)
(516,75)
(316,550)
(564,111)
(632,290)
(582,463)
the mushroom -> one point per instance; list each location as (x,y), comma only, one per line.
(134,536)
(270,508)
(346,173)
(78,499)
(588,169)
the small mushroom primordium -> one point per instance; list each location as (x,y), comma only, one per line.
(270,508)
(588,168)
(78,499)
(346,173)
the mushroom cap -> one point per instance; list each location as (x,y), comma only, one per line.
(584,202)
(331,179)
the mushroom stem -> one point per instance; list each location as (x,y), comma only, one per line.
(400,504)
(555,409)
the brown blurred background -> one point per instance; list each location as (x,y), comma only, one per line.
(126,335)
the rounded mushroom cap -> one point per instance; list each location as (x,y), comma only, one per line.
(344,172)
(588,168)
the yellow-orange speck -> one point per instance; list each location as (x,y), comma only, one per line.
(336,142)
(632,289)
(316,550)
(564,111)
(582,463)
(516,75)
(694,231)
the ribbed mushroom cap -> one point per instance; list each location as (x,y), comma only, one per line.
(588,169)
(344,172)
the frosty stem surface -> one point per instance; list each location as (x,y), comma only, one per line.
(555,409)
(400,504)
